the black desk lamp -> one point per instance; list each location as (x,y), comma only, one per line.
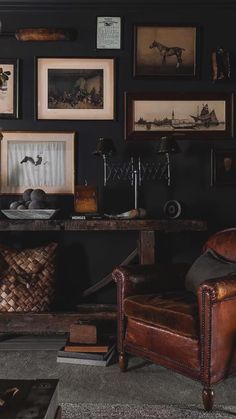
(104,148)
(168,145)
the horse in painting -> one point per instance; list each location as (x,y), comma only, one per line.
(168,52)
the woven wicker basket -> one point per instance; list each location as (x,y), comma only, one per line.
(27,278)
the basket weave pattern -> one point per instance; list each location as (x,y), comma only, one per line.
(27,278)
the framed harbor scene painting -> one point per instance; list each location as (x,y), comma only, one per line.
(184,115)
(166,51)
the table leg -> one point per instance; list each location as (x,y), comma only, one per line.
(147,247)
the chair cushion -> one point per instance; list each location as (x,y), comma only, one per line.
(209,265)
(177,312)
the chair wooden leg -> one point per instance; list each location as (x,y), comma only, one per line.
(208,398)
(123,361)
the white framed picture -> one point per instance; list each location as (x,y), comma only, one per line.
(37,160)
(75,88)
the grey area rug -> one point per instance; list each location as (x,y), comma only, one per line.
(124,411)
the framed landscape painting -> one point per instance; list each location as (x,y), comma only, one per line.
(166,51)
(184,115)
(9,83)
(37,160)
(75,88)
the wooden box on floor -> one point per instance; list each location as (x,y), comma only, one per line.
(83,333)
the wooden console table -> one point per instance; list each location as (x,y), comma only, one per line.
(147,229)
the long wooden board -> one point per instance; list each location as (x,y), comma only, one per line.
(103,225)
(49,322)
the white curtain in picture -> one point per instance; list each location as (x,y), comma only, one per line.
(36,164)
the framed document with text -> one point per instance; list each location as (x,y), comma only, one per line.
(108,32)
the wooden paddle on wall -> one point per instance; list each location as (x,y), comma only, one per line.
(41,34)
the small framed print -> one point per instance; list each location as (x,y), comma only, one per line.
(108,32)
(37,160)
(9,84)
(75,88)
(223,167)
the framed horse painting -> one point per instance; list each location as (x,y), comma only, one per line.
(166,51)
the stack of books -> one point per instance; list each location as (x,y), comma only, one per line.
(99,355)
(83,348)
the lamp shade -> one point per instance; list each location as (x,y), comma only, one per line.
(168,145)
(104,147)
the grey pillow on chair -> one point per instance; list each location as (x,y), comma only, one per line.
(208,266)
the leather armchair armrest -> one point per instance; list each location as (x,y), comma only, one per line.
(219,289)
(217,304)
(145,279)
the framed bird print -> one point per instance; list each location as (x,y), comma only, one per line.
(166,51)
(9,83)
(37,160)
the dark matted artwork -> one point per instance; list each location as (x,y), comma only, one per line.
(223,167)
(75,89)
(165,51)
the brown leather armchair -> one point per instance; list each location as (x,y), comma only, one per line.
(162,322)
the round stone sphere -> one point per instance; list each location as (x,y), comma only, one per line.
(21,207)
(14,204)
(27,203)
(37,205)
(26,194)
(38,195)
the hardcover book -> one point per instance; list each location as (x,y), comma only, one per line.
(24,399)
(77,347)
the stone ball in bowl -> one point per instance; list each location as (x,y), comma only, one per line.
(27,203)
(14,204)
(26,194)
(38,195)
(21,207)
(37,205)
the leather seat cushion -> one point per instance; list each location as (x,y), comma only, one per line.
(176,312)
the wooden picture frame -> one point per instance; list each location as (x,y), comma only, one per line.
(166,51)
(34,160)
(223,167)
(9,88)
(75,88)
(150,116)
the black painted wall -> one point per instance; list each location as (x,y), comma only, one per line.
(98,253)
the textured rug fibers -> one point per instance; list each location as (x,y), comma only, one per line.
(124,411)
